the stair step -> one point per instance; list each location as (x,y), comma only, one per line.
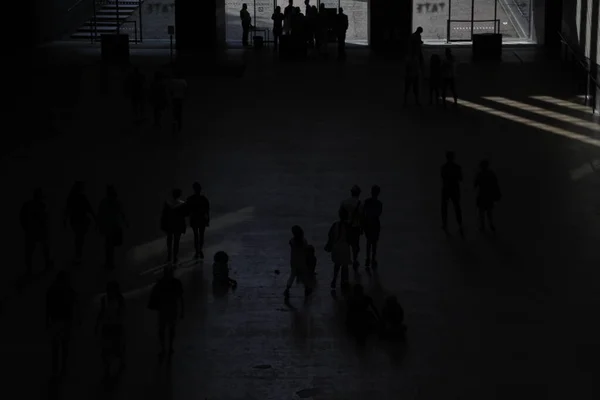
(99,24)
(99,28)
(121,8)
(111,16)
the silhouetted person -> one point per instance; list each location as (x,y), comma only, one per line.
(488,193)
(137,89)
(111,220)
(372,226)
(167,299)
(362,316)
(299,33)
(198,208)
(341,27)
(435,78)
(80,215)
(322,29)
(392,320)
(158,98)
(34,221)
(172,222)
(221,276)
(338,246)
(246,23)
(178,90)
(312,15)
(411,80)
(277,18)
(288,13)
(354,210)
(61,316)
(110,322)
(451,179)
(416,45)
(449,77)
(298,261)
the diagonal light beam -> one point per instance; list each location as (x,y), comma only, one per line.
(534,124)
(545,113)
(563,103)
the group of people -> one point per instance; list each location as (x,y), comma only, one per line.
(442,73)
(307,30)
(161,93)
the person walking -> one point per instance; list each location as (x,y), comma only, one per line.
(172,222)
(198,208)
(488,193)
(166,299)
(298,261)
(452,177)
(354,211)
(372,226)
(34,221)
(80,215)
(277,18)
(111,220)
(338,246)
(341,27)
(449,77)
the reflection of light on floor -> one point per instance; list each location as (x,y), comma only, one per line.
(545,113)
(585,170)
(156,247)
(562,103)
(531,123)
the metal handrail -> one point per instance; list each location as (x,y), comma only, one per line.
(75,5)
(579,58)
(582,61)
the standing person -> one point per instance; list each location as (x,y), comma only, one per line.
(452,177)
(371,212)
(298,261)
(277,18)
(198,208)
(172,222)
(110,322)
(34,221)
(80,215)
(61,314)
(111,220)
(178,91)
(246,23)
(416,45)
(354,211)
(449,77)
(341,27)
(158,98)
(338,246)
(488,188)
(435,78)
(136,88)
(167,299)
(288,14)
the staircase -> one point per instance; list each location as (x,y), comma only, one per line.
(106,19)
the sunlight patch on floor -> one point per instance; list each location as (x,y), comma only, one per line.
(545,113)
(563,103)
(532,123)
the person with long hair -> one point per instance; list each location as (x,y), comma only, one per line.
(298,261)
(339,247)
(110,322)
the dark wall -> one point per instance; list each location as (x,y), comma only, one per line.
(390,23)
(197,26)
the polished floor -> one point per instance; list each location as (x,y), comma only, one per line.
(505,317)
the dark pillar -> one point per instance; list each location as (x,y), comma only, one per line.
(195,27)
(553,22)
(390,24)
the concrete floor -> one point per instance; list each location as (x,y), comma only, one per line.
(489,318)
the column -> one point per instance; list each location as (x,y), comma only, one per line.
(197,26)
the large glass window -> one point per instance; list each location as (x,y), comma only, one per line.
(458,20)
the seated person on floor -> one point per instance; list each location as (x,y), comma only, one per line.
(362,317)
(221,271)
(392,319)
